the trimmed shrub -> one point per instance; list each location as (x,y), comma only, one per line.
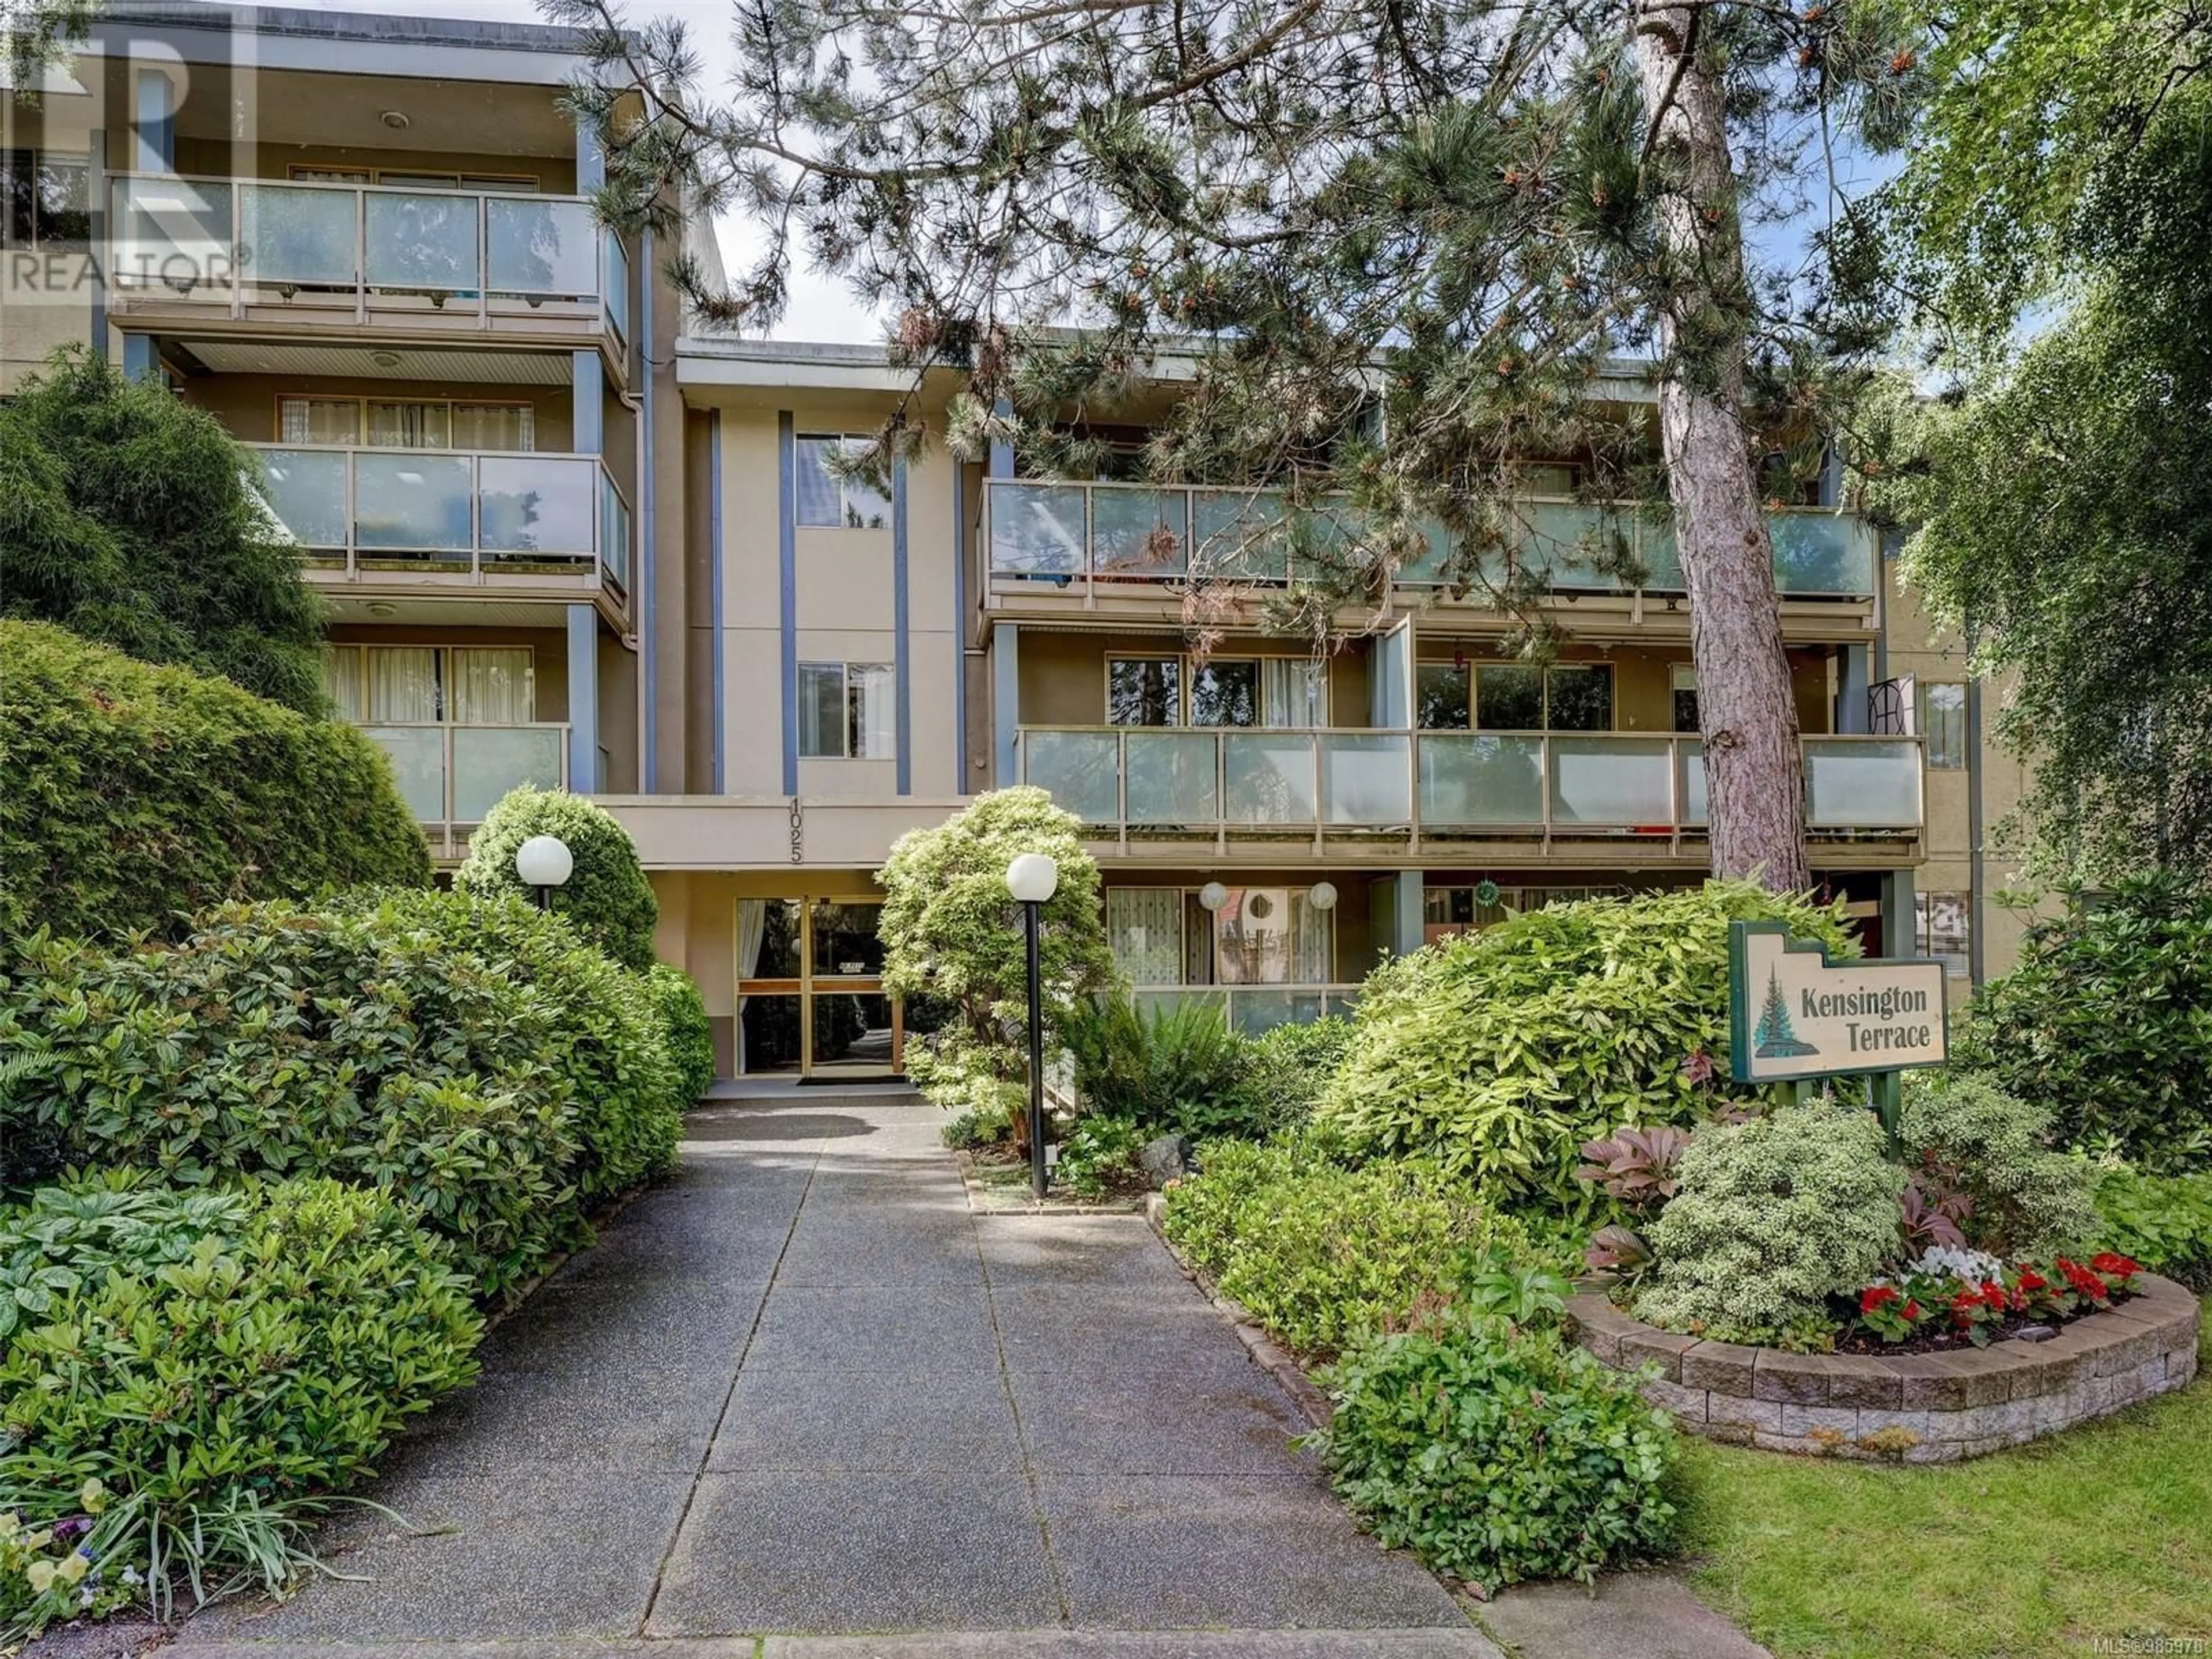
(1972,1137)
(136,793)
(1171,1067)
(1317,1252)
(210,1355)
(1498,1453)
(1771,1218)
(1288,1068)
(474,1058)
(2165,1222)
(683,1025)
(607,895)
(1500,1053)
(2107,1021)
(1100,1156)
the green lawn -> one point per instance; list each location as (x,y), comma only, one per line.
(2104,1531)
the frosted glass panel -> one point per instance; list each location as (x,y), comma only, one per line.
(614,532)
(418,761)
(618,281)
(1552,542)
(1365,781)
(1140,532)
(540,246)
(1036,529)
(536,505)
(172,232)
(426,242)
(1270,780)
(487,761)
(1257,1012)
(1694,810)
(1475,779)
(1171,777)
(289,235)
(1612,781)
(1077,769)
(1860,784)
(1821,553)
(307,493)
(411,501)
(1239,535)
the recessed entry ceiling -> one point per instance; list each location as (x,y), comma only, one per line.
(294,107)
(382,362)
(444,612)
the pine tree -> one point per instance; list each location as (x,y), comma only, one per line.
(1400,244)
(1776,1036)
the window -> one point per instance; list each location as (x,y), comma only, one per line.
(406,423)
(1272,936)
(1144,690)
(1943,929)
(827,501)
(847,711)
(1684,679)
(1514,698)
(1943,723)
(47,198)
(431,685)
(1282,694)
(1224,693)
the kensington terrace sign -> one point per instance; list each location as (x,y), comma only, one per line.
(1794,1015)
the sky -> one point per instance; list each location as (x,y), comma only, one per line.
(820,308)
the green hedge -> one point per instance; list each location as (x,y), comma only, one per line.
(473,1057)
(683,1016)
(2165,1222)
(134,793)
(215,1360)
(607,895)
(1500,1053)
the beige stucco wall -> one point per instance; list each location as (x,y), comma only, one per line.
(46,289)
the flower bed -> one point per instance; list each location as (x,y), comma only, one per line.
(1929,1407)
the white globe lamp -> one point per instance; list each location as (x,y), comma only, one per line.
(1033,878)
(1212,896)
(1323,896)
(545,862)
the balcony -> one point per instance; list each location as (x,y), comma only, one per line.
(447,518)
(1097,539)
(1642,795)
(424,259)
(1254,1009)
(449,775)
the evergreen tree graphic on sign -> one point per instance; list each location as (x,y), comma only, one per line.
(1776,1038)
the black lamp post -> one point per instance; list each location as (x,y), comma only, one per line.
(1032,879)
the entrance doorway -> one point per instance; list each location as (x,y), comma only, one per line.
(810,999)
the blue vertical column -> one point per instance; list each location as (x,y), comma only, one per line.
(961,554)
(902,667)
(154,123)
(1390,680)
(587,413)
(583,699)
(1900,938)
(140,361)
(715,592)
(1005,700)
(1406,895)
(1002,454)
(1853,682)
(786,556)
(591,162)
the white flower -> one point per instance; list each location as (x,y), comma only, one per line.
(1948,1261)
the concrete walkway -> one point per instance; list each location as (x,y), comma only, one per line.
(801,1389)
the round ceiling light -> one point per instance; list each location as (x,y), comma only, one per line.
(396,120)
(385,359)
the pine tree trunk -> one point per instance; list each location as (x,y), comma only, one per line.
(1745,709)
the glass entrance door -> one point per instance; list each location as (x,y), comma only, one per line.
(811,997)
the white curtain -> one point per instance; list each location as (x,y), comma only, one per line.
(1295,692)
(318,421)
(493,686)
(493,426)
(403,685)
(1143,930)
(873,716)
(410,426)
(342,680)
(1311,934)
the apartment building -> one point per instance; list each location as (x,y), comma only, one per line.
(571,541)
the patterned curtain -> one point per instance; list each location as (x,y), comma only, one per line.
(1144,929)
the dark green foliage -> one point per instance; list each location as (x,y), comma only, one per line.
(2107,1021)
(1173,1066)
(683,1015)
(126,516)
(607,894)
(1317,1252)
(2165,1222)
(1099,1157)
(1288,1069)
(1963,1135)
(1501,1053)
(1498,1452)
(202,1353)
(136,793)
(471,1057)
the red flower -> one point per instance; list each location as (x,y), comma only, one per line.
(2087,1282)
(1876,1296)
(2031,1280)
(2116,1265)
(1913,1310)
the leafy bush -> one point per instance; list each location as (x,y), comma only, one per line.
(2107,1021)
(1498,1453)
(1317,1252)
(1970,1139)
(1500,1053)
(607,896)
(1175,1067)
(2165,1222)
(683,1025)
(471,1057)
(1771,1218)
(950,930)
(203,1353)
(1287,1068)
(136,793)
(1100,1156)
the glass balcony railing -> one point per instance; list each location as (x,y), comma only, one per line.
(1242,781)
(1105,536)
(450,776)
(451,512)
(363,248)
(1254,1009)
